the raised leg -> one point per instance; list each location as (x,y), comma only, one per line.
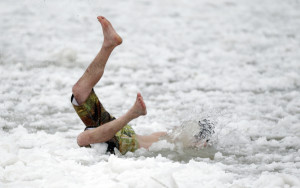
(90,78)
(95,70)
(106,131)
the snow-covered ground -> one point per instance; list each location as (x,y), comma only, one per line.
(234,61)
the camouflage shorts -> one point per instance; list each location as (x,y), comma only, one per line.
(93,114)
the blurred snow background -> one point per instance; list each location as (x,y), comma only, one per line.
(235,61)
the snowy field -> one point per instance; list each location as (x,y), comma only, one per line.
(236,62)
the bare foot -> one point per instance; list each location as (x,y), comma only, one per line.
(111,37)
(139,107)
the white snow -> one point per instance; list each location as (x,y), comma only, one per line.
(235,61)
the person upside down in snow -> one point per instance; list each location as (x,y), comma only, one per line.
(101,126)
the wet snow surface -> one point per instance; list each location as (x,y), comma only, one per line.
(234,62)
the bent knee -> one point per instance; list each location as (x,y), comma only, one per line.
(83,140)
(80,93)
(80,141)
(76,91)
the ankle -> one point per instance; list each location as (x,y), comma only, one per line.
(107,48)
(132,114)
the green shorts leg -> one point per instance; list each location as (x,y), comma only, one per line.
(91,112)
(127,141)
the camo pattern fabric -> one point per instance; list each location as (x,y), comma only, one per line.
(93,114)
(127,139)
